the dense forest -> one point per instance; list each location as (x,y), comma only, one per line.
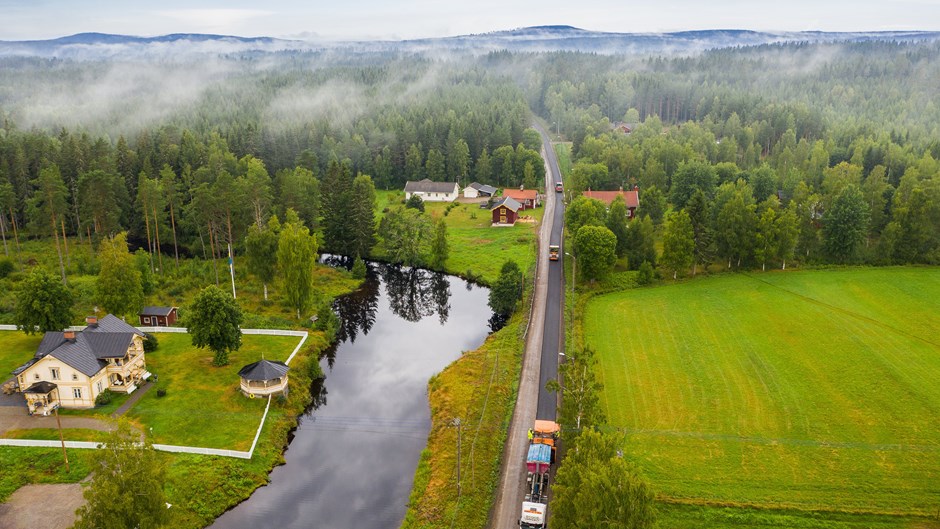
(843,137)
(822,153)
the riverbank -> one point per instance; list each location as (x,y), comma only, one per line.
(480,390)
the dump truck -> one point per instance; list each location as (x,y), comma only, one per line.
(553,251)
(539,460)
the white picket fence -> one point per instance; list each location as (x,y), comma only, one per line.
(165,448)
(174,448)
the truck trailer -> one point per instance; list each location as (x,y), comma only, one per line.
(539,460)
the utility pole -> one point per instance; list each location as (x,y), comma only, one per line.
(457,424)
(62,439)
(231,269)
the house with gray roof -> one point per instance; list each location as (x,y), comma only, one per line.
(476,190)
(505,212)
(430,191)
(72,367)
(158,316)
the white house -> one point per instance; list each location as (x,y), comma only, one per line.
(476,190)
(432,191)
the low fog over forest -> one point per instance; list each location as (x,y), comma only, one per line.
(800,121)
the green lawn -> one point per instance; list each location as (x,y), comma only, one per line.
(22,466)
(816,390)
(16,348)
(203,405)
(476,246)
(704,517)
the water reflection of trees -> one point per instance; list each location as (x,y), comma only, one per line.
(357,310)
(414,293)
(317,395)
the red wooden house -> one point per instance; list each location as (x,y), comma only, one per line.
(528,198)
(505,212)
(158,316)
(632,198)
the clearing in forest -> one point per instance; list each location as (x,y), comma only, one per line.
(806,390)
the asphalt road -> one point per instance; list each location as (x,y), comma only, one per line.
(540,363)
(553,330)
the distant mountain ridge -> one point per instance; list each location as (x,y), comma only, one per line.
(108,38)
(534,38)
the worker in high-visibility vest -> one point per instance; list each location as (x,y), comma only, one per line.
(531,433)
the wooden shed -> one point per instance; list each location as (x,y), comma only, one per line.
(158,316)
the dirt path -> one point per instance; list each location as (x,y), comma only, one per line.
(12,418)
(45,506)
(132,400)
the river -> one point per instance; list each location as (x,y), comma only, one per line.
(352,458)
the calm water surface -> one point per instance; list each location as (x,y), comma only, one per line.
(353,456)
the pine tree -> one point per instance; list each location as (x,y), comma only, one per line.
(439,246)
(361,216)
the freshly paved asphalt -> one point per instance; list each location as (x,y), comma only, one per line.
(553,337)
(540,361)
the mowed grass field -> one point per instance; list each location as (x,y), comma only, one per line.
(203,405)
(815,390)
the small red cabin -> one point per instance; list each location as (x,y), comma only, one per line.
(505,212)
(158,316)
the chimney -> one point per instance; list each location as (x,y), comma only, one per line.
(621,189)
(521,187)
(636,187)
(91,321)
(69,335)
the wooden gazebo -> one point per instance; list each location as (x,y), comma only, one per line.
(263,378)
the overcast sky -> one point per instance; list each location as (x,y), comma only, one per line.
(392,19)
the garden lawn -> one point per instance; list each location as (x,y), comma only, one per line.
(203,406)
(22,466)
(478,250)
(16,348)
(815,390)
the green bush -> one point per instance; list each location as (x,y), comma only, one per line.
(645,275)
(104,398)
(327,321)
(359,268)
(6,268)
(150,343)
(161,392)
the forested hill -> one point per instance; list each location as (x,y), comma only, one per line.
(530,39)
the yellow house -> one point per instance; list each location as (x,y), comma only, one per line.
(71,368)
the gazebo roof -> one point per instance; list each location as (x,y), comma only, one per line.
(263,370)
(41,388)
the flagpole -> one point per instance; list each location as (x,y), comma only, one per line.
(231,269)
